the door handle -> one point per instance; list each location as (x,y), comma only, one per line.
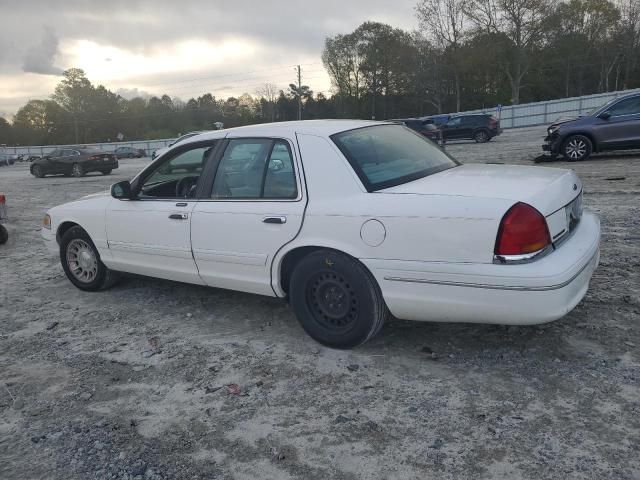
(179,216)
(279,220)
(181,204)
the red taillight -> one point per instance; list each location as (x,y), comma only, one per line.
(94,157)
(3,199)
(522,230)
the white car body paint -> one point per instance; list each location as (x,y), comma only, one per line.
(429,243)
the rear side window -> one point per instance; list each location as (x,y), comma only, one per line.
(254,169)
(384,156)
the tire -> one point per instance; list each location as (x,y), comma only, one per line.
(90,273)
(77,170)
(336,299)
(37,172)
(576,148)
(4,235)
(105,172)
(481,136)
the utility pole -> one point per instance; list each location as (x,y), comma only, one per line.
(299,93)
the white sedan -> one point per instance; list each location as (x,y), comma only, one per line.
(349,221)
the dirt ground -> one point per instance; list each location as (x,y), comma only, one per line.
(130,383)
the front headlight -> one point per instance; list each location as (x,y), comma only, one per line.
(553,129)
(46,222)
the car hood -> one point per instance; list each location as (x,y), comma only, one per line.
(106,193)
(546,189)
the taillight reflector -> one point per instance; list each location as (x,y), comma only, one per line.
(523,230)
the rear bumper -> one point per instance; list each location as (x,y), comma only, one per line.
(538,292)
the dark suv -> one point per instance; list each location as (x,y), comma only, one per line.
(613,126)
(479,127)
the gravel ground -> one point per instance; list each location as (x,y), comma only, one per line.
(131,383)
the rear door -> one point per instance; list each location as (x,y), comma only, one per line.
(622,128)
(255,206)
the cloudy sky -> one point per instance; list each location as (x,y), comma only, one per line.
(182,48)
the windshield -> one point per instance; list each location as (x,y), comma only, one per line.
(384,156)
(600,107)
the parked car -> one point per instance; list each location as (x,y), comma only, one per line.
(76,161)
(613,126)
(349,220)
(129,152)
(424,128)
(479,127)
(7,159)
(160,151)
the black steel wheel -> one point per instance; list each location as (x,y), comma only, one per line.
(336,299)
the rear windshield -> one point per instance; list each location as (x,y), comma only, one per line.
(384,156)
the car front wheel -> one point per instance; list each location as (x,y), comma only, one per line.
(81,261)
(576,148)
(37,171)
(336,299)
(105,172)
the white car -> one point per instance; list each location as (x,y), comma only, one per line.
(348,220)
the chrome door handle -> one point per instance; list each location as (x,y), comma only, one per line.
(179,216)
(280,219)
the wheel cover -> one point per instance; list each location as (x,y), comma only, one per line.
(481,135)
(332,301)
(76,169)
(576,148)
(82,260)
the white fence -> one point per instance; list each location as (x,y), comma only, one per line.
(512,116)
(543,113)
(147,145)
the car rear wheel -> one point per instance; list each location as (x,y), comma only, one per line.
(336,299)
(77,170)
(81,261)
(105,172)
(576,148)
(481,136)
(37,171)
(4,235)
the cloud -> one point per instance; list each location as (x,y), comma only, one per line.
(40,58)
(130,93)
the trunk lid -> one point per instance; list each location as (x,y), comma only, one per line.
(546,189)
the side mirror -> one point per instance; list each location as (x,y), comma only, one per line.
(121,190)
(605,115)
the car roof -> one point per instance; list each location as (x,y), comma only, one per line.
(323,128)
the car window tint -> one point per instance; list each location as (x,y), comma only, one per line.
(187,165)
(388,155)
(454,122)
(280,180)
(629,106)
(241,169)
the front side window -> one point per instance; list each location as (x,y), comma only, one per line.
(629,106)
(387,155)
(454,122)
(178,176)
(255,168)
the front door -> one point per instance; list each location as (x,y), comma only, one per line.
(151,234)
(622,128)
(255,207)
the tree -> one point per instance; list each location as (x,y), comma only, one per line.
(519,24)
(269,92)
(445,23)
